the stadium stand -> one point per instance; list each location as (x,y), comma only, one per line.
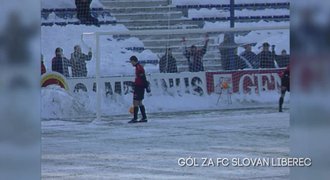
(66,16)
(253,6)
(162,14)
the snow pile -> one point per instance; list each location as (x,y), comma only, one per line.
(279,38)
(58,103)
(262,23)
(213,12)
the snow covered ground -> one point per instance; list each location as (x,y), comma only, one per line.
(113,149)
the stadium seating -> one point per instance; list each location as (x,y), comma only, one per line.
(66,16)
(148,15)
(238,6)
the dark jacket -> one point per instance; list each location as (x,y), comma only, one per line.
(167,66)
(78,63)
(83,8)
(266,59)
(225,55)
(239,63)
(252,58)
(84,12)
(195,59)
(61,65)
(282,60)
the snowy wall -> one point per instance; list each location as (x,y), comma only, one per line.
(170,92)
(201,83)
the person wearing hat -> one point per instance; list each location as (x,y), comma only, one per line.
(266,57)
(139,87)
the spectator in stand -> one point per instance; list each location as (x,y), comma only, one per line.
(78,62)
(228,52)
(250,56)
(265,57)
(239,62)
(235,61)
(84,12)
(60,63)
(43,68)
(167,63)
(283,59)
(195,55)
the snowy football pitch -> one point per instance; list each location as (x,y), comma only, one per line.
(113,149)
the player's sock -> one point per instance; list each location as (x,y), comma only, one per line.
(280,103)
(143,112)
(135,112)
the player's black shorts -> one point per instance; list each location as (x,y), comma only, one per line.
(138,93)
(285,81)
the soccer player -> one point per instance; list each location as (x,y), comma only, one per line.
(140,84)
(285,85)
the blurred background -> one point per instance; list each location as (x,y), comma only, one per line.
(19,89)
(310,115)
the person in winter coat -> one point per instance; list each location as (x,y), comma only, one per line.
(84,12)
(266,57)
(78,62)
(195,55)
(228,52)
(250,56)
(167,63)
(60,63)
(283,59)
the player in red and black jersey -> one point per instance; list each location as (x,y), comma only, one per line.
(285,85)
(140,84)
